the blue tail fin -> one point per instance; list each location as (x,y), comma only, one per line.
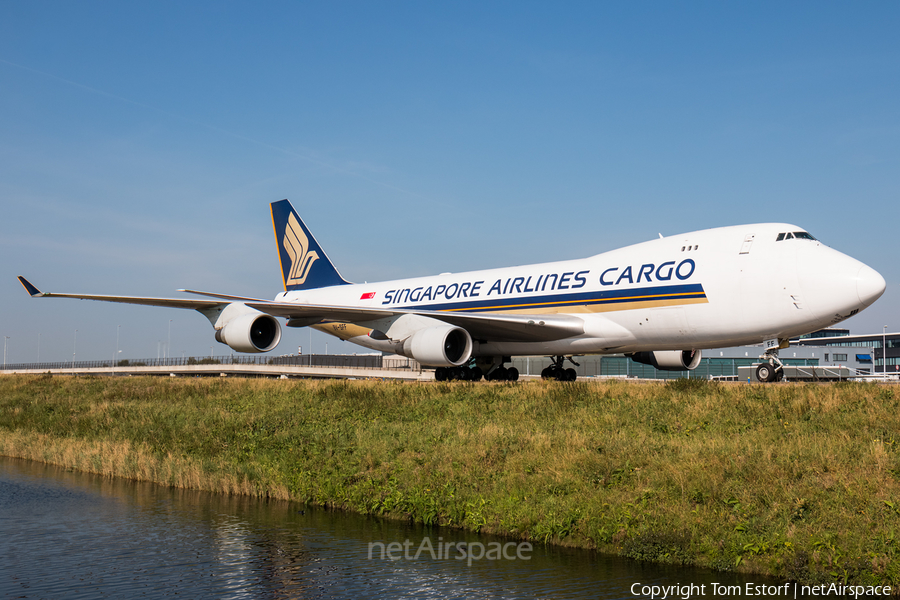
(304,265)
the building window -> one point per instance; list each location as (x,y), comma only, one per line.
(826,357)
(840,357)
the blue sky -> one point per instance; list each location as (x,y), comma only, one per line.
(140,144)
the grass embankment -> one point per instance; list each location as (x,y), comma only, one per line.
(800,481)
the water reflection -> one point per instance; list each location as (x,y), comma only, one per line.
(72,535)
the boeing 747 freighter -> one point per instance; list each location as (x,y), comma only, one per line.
(661,302)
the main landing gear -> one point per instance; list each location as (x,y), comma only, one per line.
(457,374)
(502,374)
(491,368)
(557,372)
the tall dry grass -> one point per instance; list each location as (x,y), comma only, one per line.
(799,480)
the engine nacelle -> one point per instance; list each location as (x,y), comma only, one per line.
(246,329)
(669,360)
(439,346)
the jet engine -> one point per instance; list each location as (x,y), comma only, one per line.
(439,346)
(669,360)
(246,329)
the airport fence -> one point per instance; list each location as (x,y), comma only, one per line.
(358,361)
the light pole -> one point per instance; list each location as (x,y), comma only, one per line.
(74,347)
(169,340)
(116,355)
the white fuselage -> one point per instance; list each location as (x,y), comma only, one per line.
(706,289)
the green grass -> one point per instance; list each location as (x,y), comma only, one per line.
(800,481)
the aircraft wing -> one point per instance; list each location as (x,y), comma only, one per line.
(513,328)
(170,302)
(480,325)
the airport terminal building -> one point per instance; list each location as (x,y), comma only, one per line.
(838,342)
(827,348)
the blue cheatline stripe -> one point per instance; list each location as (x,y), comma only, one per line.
(648,294)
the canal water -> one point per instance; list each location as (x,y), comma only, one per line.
(65,534)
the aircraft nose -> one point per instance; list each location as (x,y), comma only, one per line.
(836,285)
(870,285)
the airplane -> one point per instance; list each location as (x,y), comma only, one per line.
(660,302)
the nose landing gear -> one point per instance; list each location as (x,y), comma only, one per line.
(771,369)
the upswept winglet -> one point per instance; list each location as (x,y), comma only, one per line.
(29,287)
(304,265)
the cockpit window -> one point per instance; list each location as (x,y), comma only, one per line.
(800,235)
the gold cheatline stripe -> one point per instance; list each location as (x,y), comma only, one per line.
(684,296)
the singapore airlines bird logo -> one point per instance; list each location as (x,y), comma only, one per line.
(297,245)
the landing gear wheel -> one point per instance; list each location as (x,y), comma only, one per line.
(556,370)
(512,374)
(440,374)
(475,374)
(765,372)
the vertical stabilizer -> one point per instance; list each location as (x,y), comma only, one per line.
(304,265)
